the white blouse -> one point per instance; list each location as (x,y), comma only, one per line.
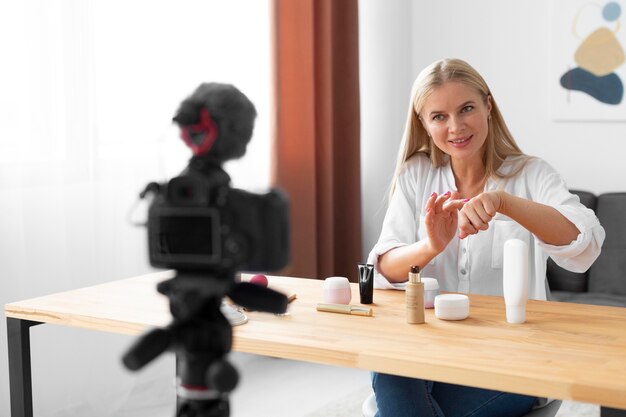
(474,264)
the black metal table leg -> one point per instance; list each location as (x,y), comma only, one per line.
(20,380)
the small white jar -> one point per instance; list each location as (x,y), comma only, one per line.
(451,306)
(337,290)
(431,290)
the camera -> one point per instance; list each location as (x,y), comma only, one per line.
(206,231)
(197,221)
(195,226)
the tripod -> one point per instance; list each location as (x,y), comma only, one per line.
(201,336)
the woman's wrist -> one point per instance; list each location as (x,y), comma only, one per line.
(427,250)
(503,198)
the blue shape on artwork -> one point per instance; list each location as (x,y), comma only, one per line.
(607,89)
(611,11)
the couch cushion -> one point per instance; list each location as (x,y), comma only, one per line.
(560,279)
(590,298)
(608,272)
(587,198)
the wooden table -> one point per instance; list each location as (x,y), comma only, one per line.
(567,351)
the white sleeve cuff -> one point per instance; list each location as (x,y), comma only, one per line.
(380,282)
(578,255)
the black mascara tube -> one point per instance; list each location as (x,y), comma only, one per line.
(366,283)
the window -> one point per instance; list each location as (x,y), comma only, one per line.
(94,84)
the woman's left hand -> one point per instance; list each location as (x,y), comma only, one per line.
(478,212)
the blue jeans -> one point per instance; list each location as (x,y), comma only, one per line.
(398,396)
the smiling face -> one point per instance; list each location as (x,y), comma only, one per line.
(455,116)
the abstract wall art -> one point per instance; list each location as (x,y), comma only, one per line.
(588,70)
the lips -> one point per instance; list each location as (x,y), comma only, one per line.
(462,141)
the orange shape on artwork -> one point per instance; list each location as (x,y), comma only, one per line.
(600,53)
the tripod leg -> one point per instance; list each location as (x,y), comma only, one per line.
(178,403)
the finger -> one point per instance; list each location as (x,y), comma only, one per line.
(474,218)
(466,228)
(430,203)
(482,213)
(451,205)
(442,199)
(490,208)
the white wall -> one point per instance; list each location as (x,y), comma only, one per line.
(385,42)
(509,44)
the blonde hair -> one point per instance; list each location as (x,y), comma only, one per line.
(499,143)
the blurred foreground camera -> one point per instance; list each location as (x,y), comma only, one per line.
(206,230)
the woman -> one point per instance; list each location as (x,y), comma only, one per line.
(461,188)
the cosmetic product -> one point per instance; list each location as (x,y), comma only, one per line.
(451,306)
(337,290)
(515,280)
(345,309)
(431,290)
(259,279)
(366,283)
(415,297)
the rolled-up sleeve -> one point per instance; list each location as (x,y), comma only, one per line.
(578,255)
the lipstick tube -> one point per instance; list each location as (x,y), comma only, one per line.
(345,309)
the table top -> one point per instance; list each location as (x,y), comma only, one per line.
(564,350)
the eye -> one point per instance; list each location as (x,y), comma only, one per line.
(467,108)
(438,117)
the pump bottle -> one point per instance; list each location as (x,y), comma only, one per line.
(415,297)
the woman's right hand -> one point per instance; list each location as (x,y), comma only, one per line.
(441,219)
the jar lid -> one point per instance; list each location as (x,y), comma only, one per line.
(451,306)
(336,282)
(430,284)
(452,300)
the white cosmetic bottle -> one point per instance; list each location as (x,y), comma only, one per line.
(515,280)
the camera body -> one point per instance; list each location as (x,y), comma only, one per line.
(196,222)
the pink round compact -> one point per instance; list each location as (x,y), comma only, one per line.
(337,290)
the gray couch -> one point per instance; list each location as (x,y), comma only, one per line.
(605,281)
